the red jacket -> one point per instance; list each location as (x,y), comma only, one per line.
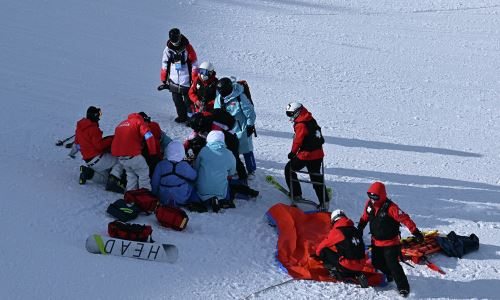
(156,131)
(393,211)
(336,236)
(129,135)
(209,106)
(89,137)
(300,133)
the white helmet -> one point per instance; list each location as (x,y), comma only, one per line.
(205,70)
(293,110)
(336,215)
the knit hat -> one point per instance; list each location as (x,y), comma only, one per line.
(215,136)
(175,151)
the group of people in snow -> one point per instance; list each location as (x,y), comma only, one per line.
(206,170)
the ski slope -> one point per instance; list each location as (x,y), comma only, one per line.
(406,92)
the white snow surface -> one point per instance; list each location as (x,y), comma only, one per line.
(407,92)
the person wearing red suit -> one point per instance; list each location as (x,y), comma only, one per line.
(385,218)
(307,151)
(204,88)
(127,146)
(343,250)
(95,149)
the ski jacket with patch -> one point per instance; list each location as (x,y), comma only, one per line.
(179,63)
(238,105)
(303,137)
(173,182)
(347,241)
(214,164)
(129,135)
(203,92)
(385,218)
(89,137)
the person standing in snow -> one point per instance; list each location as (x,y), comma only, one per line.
(95,151)
(214,164)
(231,98)
(204,88)
(385,217)
(343,250)
(179,67)
(307,151)
(173,178)
(127,146)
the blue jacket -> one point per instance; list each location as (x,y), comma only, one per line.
(173,189)
(214,164)
(243,112)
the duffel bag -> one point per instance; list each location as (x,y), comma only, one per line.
(172,217)
(131,232)
(144,199)
(123,211)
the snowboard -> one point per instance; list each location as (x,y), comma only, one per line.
(270,179)
(99,244)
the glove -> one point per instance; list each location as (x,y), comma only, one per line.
(250,130)
(419,237)
(163,86)
(291,155)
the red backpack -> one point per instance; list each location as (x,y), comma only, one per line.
(172,217)
(144,199)
(132,232)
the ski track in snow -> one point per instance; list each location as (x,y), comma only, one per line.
(406,92)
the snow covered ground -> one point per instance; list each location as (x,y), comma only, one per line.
(407,92)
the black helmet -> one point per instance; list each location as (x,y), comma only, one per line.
(145,117)
(174,35)
(225,87)
(94,113)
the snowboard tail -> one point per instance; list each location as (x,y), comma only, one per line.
(99,244)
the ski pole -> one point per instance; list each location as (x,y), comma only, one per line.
(61,142)
(268,288)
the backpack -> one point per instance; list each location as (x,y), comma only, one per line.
(143,198)
(172,217)
(246,91)
(123,211)
(131,232)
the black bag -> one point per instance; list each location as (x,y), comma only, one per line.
(123,211)
(457,245)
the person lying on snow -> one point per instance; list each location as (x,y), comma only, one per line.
(385,217)
(173,178)
(96,151)
(343,250)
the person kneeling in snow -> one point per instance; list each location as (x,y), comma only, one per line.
(173,178)
(385,217)
(343,250)
(214,164)
(95,151)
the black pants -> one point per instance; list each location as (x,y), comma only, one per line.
(330,259)
(313,166)
(386,259)
(182,105)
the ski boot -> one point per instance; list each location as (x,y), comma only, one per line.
(362,280)
(404,292)
(114,185)
(86,173)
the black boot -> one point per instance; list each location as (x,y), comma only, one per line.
(214,203)
(404,292)
(362,280)
(114,185)
(86,173)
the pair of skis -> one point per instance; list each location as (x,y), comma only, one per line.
(294,201)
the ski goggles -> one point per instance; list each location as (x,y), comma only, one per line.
(373,196)
(204,72)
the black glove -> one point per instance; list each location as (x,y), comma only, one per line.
(250,130)
(163,86)
(419,237)
(291,155)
